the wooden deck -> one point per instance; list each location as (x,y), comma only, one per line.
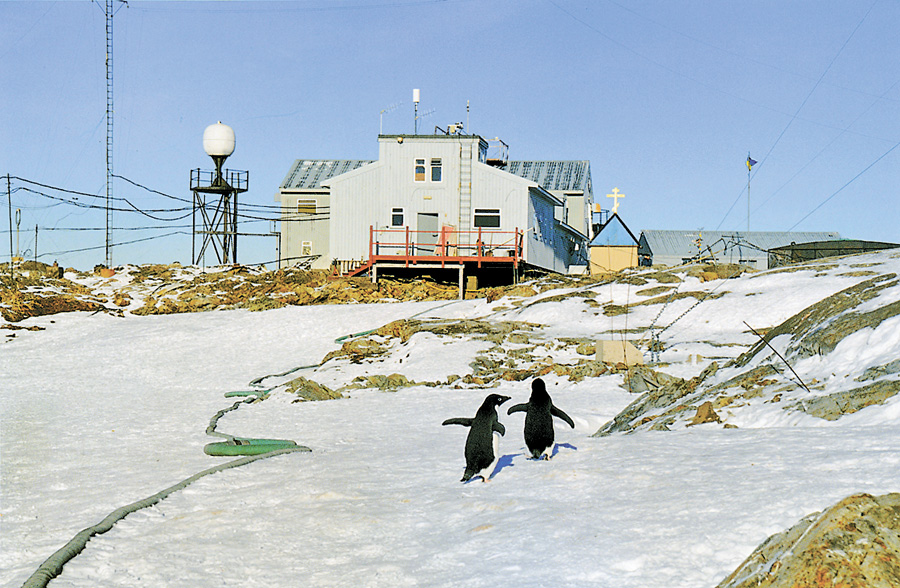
(462,251)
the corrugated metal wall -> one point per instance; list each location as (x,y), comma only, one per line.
(364,194)
(672,247)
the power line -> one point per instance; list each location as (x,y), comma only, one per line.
(830,143)
(188,201)
(853,179)
(114,244)
(799,108)
(681,74)
(81,229)
(132,208)
(149,213)
(743,57)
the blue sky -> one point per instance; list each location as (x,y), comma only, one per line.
(665,99)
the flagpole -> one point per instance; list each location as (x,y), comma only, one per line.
(750,164)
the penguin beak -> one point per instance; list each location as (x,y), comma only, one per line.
(502,399)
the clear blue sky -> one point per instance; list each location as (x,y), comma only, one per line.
(664,98)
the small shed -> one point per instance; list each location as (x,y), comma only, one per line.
(614,247)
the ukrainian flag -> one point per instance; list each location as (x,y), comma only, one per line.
(750,162)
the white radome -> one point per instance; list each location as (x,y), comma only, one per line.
(218,140)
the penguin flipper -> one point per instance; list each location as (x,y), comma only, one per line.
(498,426)
(561,415)
(464,421)
(518,408)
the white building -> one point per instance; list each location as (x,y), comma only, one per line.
(437,199)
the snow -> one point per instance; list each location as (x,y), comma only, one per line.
(100,411)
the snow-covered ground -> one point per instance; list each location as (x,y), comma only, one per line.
(100,411)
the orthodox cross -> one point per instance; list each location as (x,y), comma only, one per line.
(615,196)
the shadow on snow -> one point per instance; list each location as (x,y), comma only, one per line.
(507,461)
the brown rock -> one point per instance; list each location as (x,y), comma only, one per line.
(121,299)
(705,414)
(308,390)
(853,544)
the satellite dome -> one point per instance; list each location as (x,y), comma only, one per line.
(218,140)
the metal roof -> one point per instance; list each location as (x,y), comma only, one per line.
(310,173)
(614,233)
(554,175)
(684,243)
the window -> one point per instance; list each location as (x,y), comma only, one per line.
(436,170)
(396,217)
(420,170)
(487,218)
(306,207)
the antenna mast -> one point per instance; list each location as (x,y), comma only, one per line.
(109,126)
(109,129)
(416,111)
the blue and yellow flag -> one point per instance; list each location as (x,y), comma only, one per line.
(750,162)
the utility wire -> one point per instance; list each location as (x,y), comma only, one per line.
(830,143)
(836,192)
(114,244)
(179,199)
(744,58)
(681,74)
(796,114)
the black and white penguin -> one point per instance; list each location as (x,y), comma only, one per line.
(539,412)
(482,446)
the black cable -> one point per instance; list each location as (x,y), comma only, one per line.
(179,199)
(103,207)
(114,244)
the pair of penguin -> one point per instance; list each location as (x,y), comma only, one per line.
(482,446)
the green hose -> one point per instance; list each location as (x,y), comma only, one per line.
(242,393)
(53,565)
(253,449)
(249,447)
(244,445)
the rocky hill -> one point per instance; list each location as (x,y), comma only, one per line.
(812,343)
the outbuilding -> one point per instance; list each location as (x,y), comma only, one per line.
(614,247)
(751,249)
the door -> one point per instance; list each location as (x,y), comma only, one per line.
(427,234)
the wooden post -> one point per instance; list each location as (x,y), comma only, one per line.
(479,245)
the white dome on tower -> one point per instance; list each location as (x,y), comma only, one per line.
(218,140)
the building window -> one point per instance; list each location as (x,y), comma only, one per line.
(488,218)
(396,217)
(306,207)
(420,170)
(435,170)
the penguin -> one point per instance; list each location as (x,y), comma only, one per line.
(539,412)
(482,446)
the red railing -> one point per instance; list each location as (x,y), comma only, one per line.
(445,246)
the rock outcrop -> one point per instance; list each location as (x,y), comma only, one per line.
(853,544)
